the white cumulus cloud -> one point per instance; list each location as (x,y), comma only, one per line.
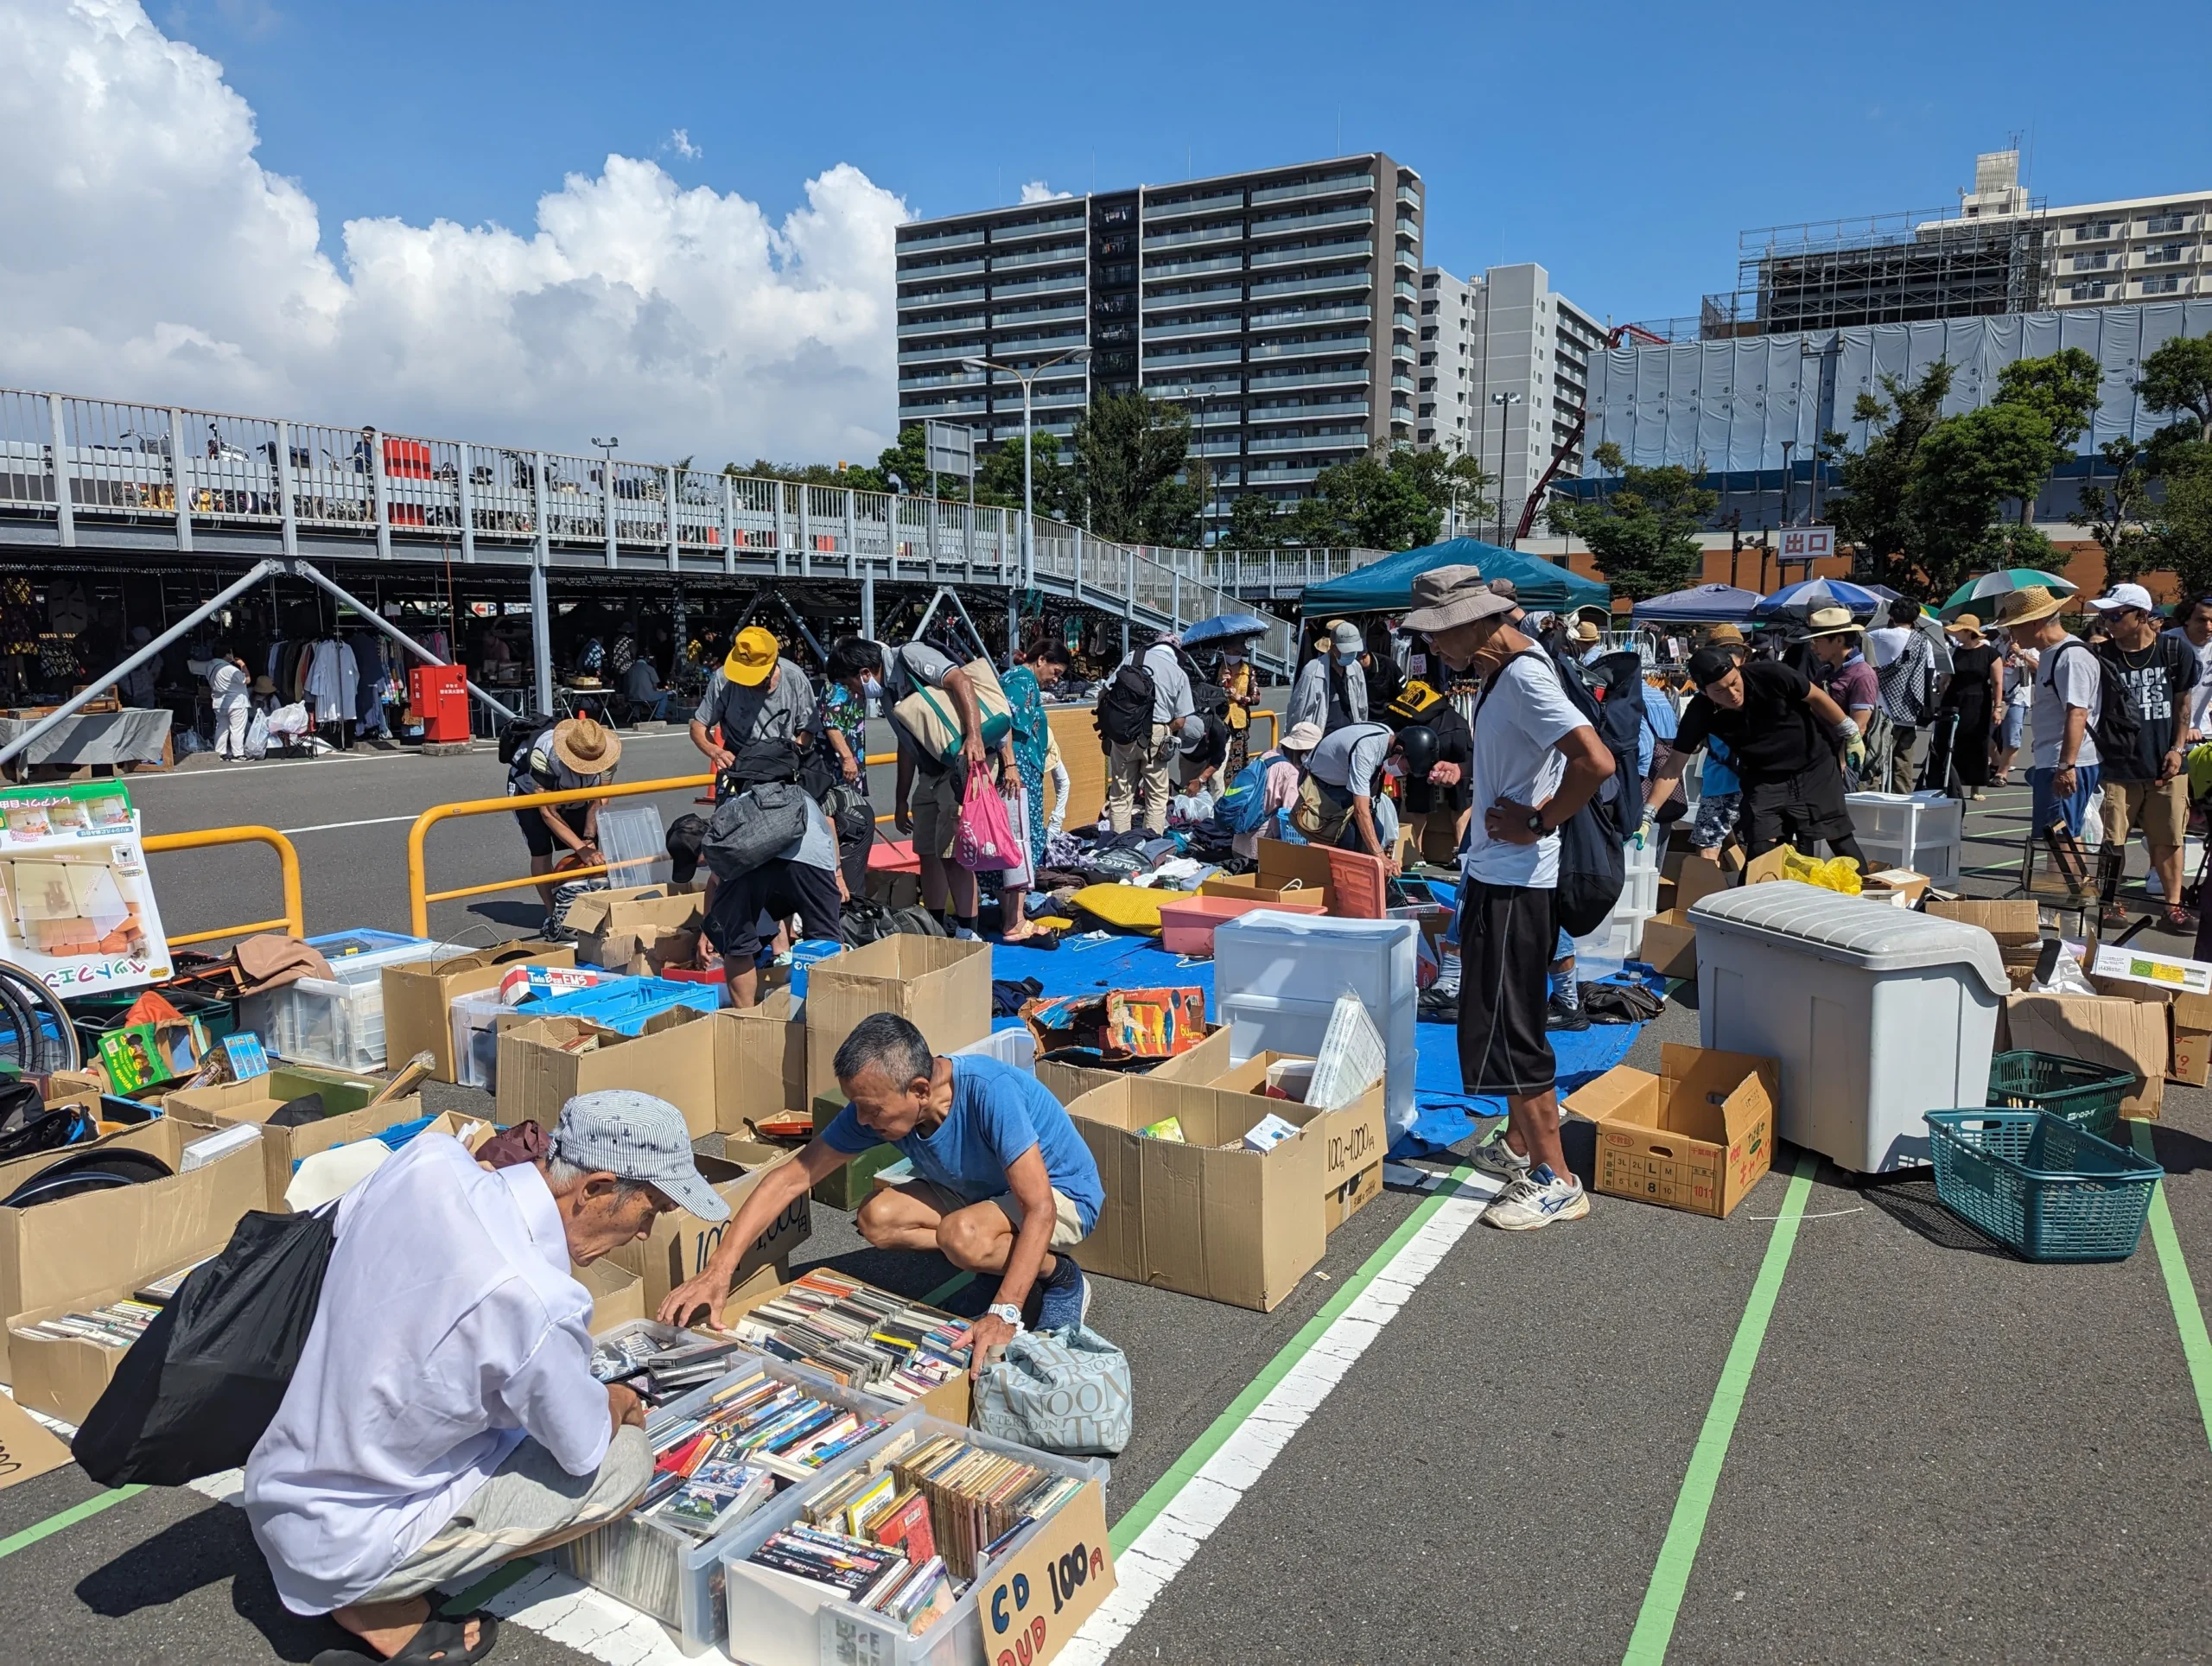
(148,254)
(1039,191)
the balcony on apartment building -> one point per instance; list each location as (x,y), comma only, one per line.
(1212,294)
(970,239)
(1228,326)
(1056,256)
(1332,187)
(1319,410)
(1001,235)
(1336,342)
(949,326)
(1218,202)
(1053,284)
(1322,284)
(1357,442)
(1182,361)
(1233,231)
(1293,317)
(1291,225)
(1349,376)
(929,269)
(1350,248)
(915,300)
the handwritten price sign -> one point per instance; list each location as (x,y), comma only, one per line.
(1041,1596)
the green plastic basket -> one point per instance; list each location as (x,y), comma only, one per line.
(2072,1089)
(2043,1188)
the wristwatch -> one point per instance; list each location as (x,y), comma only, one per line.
(1008,1312)
(1536,821)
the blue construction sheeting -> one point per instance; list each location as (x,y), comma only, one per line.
(1723,407)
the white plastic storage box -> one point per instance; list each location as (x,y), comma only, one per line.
(1276,977)
(1012,1046)
(362,953)
(775,1620)
(337,1022)
(1877,1015)
(475,1023)
(1919,831)
(666,1572)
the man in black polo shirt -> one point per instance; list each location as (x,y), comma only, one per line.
(1777,726)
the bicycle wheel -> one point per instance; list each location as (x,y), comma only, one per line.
(42,1038)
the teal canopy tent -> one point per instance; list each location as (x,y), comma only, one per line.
(1387,586)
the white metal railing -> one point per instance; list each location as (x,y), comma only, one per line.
(69,461)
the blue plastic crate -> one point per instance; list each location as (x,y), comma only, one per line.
(627,1004)
(2045,1189)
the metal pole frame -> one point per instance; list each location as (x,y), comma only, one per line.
(303,570)
(541,602)
(69,707)
(65,505)
(183,493)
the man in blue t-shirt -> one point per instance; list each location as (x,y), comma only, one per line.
(1002,1182)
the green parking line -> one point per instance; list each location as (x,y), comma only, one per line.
(957,1281)
(1162,1492)
(468,1601)
(1662,1599)
(69,1517)
(2181,1291)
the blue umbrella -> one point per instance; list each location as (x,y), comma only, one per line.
(1222,627)
(1796,600)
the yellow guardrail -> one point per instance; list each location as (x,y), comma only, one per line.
(294,920)
(419,896)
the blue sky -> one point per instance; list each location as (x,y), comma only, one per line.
(1624,147)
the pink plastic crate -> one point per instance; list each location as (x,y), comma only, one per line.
(1187,928)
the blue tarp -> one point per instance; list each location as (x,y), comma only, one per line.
(1387,586)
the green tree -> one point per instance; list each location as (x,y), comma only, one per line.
(1869,508)
(2062,389)
(1966,468)
(2177,378)
(1450,482)
(1642,533)
(1374,502)
(1130,450)
(2118,515)
(1253,524)
(998,479)
(2183,523)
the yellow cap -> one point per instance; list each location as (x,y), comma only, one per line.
(752,656)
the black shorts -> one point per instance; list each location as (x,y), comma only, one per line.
(1796,809)
(540,836)
(777,890)
(1508,938)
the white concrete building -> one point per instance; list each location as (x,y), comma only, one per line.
(1504,369)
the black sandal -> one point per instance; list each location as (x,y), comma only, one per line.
(437,1640)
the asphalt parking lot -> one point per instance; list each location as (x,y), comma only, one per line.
(1836,1426)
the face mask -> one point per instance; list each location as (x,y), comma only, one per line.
(1232,659)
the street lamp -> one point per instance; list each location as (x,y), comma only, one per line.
(1027,378)
(1504,402)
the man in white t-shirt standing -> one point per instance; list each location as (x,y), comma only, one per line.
(1536,761)
(2193,626)
(2067,704)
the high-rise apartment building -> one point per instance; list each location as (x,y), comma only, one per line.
(1503,373)
(1277,306)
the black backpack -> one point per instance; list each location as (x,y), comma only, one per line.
(2118,732)
(1592,868)
(748,827)
(1125,705)
(516,738)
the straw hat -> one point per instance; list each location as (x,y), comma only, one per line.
(1720,634)
(2026,605)
(1587,632)
(585,747)
(1448,596)
(752,656)
(1964,625)
(1831,621)
(1303,737)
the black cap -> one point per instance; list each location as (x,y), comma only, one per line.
(685,835)
(1709,665)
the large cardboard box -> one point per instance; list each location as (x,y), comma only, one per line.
(1695,1137)
(27,1451)
(943,985)
(1685,876)
(681,1244)
(1199,1067)
(1227,1225)
(2015,923)
(62,1251)
(259,1097)
(618,1294)
(1671,942)
(635,930)
(770,1043)
(2192,1041)
(63,1379)
(548,1061)
(416,994)
(949,1401)
(2100,1029)
(1352,1139)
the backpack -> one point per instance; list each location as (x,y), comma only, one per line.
(1240,809)
(749,828)
(1125,707)
(2118,732)
(516,738)
(1592,868)
(1208,697)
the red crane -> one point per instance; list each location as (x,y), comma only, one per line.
(1572,442)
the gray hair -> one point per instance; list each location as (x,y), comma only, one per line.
(889,1042)
(561,1174)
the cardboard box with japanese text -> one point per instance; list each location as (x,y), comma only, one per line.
(1695,1137)
(1352,1138)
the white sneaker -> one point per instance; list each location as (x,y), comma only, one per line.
(1499,1160)
(1537,1198)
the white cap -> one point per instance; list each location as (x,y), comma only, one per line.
(2124,596)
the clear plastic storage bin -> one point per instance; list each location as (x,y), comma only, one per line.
(476,1021)
(774,1621)
(362,953)
(337,1022)
(663,1570)
(1877,1015)
(1276,977)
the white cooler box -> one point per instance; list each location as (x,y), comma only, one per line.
(1877,1016)
(1276,977)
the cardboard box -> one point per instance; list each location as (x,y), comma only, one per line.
(348,1117)
(1229,1226)
(2115,1030)
(1351,881)
(27,1451)
(61,1379)
(672,1058)
(1119,1026)
(1899,886)
(2190,1062)
(618,1294)
(681,1244)
(770,1040)
(1670,944)
(630,930)
(942,985)
(416,994)
(949,1401)
(1352,1139)
(1695,1137)
(61,1252)
(1684,876)
(2011,920)
(848,1188)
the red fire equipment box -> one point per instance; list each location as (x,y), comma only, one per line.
(439,698)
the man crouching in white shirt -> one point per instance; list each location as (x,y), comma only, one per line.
(444,1419)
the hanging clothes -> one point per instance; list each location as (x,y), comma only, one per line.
(333,680)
